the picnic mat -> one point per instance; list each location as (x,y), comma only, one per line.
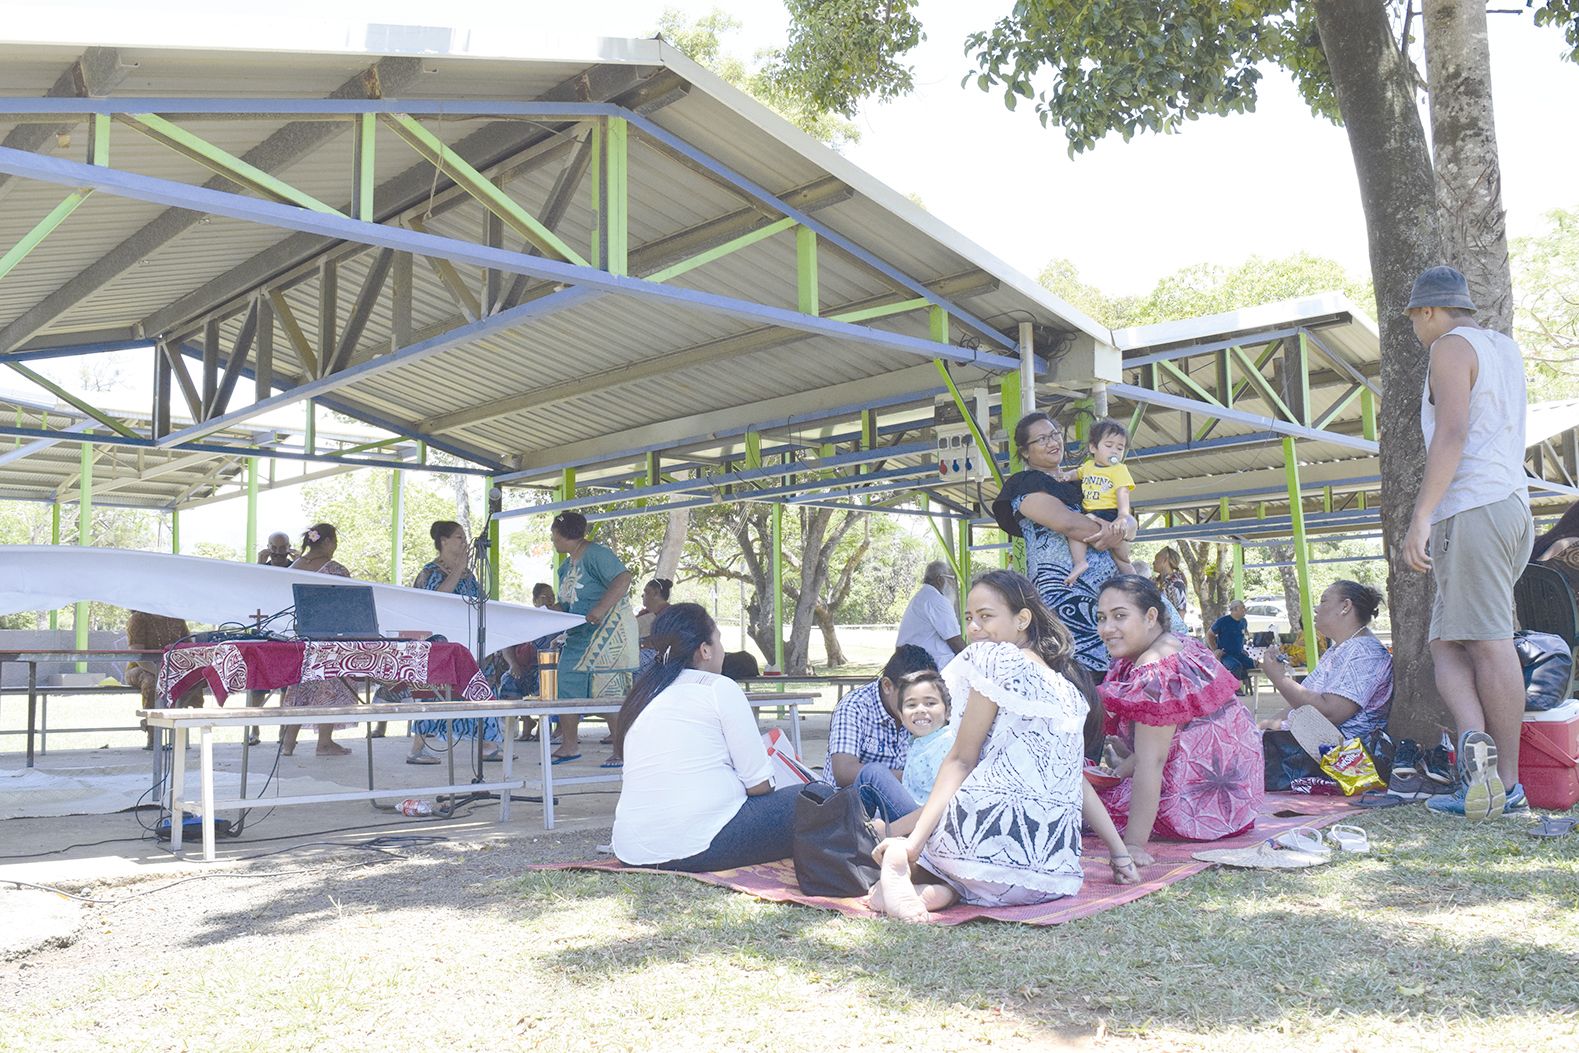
(775,882)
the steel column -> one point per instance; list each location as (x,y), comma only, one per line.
(397,525)
(175,531)
(54,539)
(84,539)
(493,542)
(777,525)
(806,287)
(249,550)
(1301,551)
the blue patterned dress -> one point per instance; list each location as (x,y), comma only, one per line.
(430,577)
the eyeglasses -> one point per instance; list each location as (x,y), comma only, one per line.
(1049,439)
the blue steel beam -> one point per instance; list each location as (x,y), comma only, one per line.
(1254,420)
(367,416)
(76,350)
(1265,336)
(97,439)
(288,217)
(405,356)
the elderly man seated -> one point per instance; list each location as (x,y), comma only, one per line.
(867,745)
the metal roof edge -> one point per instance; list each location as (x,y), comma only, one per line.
(1292,311)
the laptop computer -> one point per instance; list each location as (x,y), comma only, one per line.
(335,612)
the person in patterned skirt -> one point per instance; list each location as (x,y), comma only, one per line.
(1001,826)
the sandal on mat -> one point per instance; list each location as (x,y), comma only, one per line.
(1306,840)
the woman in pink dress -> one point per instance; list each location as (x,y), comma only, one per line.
(1192,767)
(318,545)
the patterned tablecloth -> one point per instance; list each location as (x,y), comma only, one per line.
(263,665)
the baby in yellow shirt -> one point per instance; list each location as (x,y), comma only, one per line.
(1105,485)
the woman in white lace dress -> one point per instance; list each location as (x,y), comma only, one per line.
(1002,824)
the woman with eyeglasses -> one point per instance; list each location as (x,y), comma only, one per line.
(1035,505)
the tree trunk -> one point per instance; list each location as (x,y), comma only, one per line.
(1464,145)
(1376,96)
(1212,586)
(673,545)
(830,636)
(1288,574)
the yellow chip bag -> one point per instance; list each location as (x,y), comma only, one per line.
(1351,767)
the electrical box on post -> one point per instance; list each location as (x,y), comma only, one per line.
(958,459)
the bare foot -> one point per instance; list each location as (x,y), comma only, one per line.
(899,896)
(1075,572)
(1124,870)
(331,749)
(1141,857)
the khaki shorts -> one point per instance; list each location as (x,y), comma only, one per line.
(1476,556)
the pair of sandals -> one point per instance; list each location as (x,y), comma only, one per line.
(1345,840)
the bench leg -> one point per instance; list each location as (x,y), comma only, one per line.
(177,786)
(509,749)
(545,754)
(205,740)
(32,707)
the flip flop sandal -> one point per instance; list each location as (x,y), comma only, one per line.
(1265,856)
(1305,839)
(612,762)
(422,758)
(567,759)
(1381,799)
(1553,826)
(493,758)
(1349,839)
(1314,732)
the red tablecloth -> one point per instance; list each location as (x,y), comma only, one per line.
(262,665)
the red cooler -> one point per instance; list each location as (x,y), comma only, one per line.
(1549,757)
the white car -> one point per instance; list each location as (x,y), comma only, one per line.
(1265,614)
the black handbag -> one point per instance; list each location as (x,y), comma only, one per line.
(834,841)
(1548,669)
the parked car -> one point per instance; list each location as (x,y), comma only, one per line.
(1266,614)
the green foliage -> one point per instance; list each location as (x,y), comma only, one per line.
(767,78)
(843,51)
(1133,65)
(1546,315)
(1563,14)
(1206,288)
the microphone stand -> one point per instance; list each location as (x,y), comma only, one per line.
(481,553)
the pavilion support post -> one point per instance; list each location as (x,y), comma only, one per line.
(397,524)
(54,539)
(249,547)
(778,585)
(84,539)
(1307,606)
(964,568)
(567,490)
(1368,414)
(310,440)
(175,531)
(1236,553)
(806,285)
(493,542)
(1027,375)
(610,199)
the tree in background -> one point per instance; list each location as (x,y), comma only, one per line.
(1546,320)
(1127,66)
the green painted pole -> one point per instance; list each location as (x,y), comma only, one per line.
(1301,552)
(84,539)
(567,490)
(806,285)
(175,531)
(250,548)
(964,567)
(310,440)
(54,539)
(397,525)
(1236,554)
(1368,414)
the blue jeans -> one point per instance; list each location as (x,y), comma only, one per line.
(1238,663)
(884,796)
(761,832)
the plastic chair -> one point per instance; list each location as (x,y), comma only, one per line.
(1545,603)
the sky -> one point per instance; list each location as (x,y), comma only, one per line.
(1271,183)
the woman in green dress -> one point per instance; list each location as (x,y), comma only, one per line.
(600,657)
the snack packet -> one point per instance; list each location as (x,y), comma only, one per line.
(1351,767)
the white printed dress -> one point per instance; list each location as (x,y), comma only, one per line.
(1011,833)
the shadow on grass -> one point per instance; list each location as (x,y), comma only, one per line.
(1387,936)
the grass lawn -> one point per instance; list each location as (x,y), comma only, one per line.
(1448,937)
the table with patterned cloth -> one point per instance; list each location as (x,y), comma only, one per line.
(263,665)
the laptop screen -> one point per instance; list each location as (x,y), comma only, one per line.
(327,612)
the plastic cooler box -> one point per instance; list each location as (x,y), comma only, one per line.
(1549,757)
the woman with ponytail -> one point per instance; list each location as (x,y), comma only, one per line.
(1001,826)
(696,794)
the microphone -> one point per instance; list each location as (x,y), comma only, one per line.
(495,505)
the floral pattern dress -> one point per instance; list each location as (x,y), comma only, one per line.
(1011,833)
(1212,780)
(430,577)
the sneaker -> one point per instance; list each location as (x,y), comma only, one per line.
(1448,803)
(1406,757)
(1515,804)
(1436,766)
(1412,787)
(1484,795)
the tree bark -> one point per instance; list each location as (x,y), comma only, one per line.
(673,545)
(1212,586)
(1288,575)
(1397,187)
(1464,145)
(830,636)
